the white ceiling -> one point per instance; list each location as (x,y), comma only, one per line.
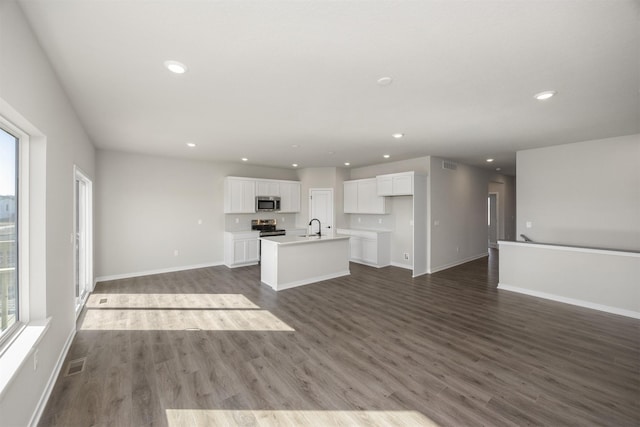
(266,75)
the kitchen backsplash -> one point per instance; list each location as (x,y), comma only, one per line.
(284,221)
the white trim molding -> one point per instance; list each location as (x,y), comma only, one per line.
(455,263)
(572,301)
(44,398)
(158,271)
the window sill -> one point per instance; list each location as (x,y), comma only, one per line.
(19,351)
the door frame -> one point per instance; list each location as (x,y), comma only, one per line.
(495,246)
(333,206)
(80,176)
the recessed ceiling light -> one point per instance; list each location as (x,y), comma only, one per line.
(384,81)
(398,135)
(489,160)
(544,95)
(295,165)
(386,156)
(244,159)
(347,164)
(498,169)
(175,67)
(191,144)
(295,146)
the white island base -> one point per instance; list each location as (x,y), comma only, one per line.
(290,261)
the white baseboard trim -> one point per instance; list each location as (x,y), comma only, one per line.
(572,301)
(44,398)
(246,264)
(158,271)
(455,263)
(312,280)
(405,266)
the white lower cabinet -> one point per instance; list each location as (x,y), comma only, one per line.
(370,247)
(241,248)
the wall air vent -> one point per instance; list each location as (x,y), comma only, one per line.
(446,164)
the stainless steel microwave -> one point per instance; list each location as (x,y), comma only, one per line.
(267,204)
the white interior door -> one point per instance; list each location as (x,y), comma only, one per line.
(83,245)
(321,207)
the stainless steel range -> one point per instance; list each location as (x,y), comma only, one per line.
(267,227)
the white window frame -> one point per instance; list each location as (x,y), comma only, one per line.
(32,268)
(22,233)
(78,174)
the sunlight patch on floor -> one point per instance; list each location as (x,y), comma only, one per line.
(179,320)
(201,417)
(221,301)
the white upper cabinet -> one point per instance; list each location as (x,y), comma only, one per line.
(239,195)
(268,188)
(289,196)
(360,196)
(395,184)
(350,197)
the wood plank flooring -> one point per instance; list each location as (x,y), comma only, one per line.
(214,347)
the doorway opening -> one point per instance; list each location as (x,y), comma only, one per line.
(492,220)
(83,237)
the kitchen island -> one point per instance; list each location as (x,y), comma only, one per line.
(290,261)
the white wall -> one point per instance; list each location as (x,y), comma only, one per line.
(599,279)
(30,87)
(585,194)
(149,206)
(457,203)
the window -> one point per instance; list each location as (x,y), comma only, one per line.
(9,304)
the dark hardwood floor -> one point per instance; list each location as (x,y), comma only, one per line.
(214,347)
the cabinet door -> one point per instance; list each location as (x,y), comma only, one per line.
(370,251)
(350,197)
(290,197)
(368,199)
(251,251)
(267,188)
(355,248)
(239,251)
(385,185)
(240,195)
(402,185)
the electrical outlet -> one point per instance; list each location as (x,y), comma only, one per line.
(457,250)
(175,252)
(237,220)
(199,222)
(359,219)
(406,256)
(283,219)
(35,359)
(528,224)
(379,220)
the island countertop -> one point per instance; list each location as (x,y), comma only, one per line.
(294,240)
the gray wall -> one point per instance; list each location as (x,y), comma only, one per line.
(457,204)
(30,87)
(505,187)
(150,206)
(585,194)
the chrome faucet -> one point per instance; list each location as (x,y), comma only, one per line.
(319,233)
